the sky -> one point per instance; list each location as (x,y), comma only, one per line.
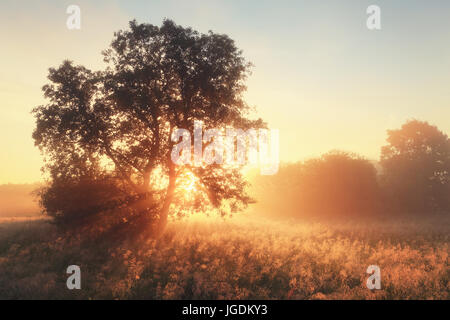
(320,76)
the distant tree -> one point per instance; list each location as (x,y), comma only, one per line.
(336,184)
(119,121)
(416,167)
(340,183)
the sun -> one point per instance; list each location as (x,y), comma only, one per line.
(188,182)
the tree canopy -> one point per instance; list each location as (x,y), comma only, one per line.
(337,184)
(416,168)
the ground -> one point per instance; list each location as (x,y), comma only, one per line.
(236,258)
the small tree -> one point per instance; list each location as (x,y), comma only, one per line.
(120,120)
(416,167)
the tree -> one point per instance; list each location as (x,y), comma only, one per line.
(340,183)
(416,167)
(336,184)
(119,121)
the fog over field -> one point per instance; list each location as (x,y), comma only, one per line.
(18,200)
(235,258)
(246,256)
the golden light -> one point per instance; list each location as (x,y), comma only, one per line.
(188,182)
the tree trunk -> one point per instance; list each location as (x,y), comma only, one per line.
(163,215)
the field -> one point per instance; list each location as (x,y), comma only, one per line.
(243,258)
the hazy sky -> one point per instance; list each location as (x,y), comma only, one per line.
(320,76)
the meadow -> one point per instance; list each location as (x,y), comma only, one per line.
(235,258)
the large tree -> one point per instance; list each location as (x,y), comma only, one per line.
(416,167)
(119,121)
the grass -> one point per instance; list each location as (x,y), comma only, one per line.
(233,259)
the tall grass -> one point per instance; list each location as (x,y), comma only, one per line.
(233,259)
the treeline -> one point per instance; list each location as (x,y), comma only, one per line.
(411,177)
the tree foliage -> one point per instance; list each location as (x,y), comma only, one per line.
(416,168)
(336,184)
